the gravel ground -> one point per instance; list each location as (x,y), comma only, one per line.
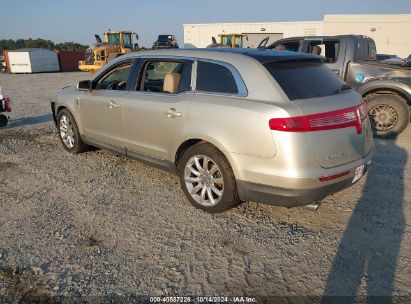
(100,225)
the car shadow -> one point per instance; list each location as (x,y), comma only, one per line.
(27,121)
(368,252)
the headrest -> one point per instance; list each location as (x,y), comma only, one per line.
(316,50)
(171,82)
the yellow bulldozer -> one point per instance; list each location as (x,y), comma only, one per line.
(100,53)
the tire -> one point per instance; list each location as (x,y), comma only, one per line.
(3,120)
(220,181)
(389,114)
(69,134)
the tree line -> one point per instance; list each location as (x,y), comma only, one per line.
(10,44)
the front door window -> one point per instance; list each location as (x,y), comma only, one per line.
(115,79)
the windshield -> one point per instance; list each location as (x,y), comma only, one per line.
(164,38)
(303,80)
(227,41)
(127,40)
(114,38)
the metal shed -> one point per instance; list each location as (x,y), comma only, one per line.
(33,61)
(69,60)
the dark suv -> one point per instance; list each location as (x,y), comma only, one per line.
(165,42)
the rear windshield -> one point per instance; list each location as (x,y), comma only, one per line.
(303,80)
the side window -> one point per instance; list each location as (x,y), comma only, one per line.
(292,46)
(328,48)
(213,77)
(165,76)
(115,79)
(287,46)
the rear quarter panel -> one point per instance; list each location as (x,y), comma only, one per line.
(233,124)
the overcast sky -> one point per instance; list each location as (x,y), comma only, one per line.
(75,20)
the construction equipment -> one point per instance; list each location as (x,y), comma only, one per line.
(229,41)
(116,44)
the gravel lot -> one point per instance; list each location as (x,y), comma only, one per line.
(97,224)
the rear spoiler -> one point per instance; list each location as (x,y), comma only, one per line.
(290,59)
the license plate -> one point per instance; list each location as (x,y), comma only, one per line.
(359,172)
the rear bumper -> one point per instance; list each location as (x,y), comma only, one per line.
(292,197)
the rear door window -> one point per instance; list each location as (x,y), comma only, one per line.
(216,78)
(154,73)
(304,79)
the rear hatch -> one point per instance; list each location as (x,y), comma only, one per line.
(333,115)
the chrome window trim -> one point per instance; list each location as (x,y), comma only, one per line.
(159,93)
(241,87)
(194,75)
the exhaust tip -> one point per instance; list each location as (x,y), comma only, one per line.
(312,207)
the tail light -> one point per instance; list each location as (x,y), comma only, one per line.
(7,104)
(349,117)
(331,177)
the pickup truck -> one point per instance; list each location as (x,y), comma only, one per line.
(386,87)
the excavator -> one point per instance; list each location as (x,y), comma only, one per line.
(100,53)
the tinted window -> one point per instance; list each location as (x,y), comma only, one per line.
(154,74)
(365,50)
(164,38)
(215,78)
(286,46)
(302,80)
(115,79)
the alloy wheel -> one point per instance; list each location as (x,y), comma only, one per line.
(67,132)
(383,117)
(204,180)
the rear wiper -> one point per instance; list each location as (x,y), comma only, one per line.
(344,87)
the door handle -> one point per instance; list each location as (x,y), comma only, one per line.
(113,105)
(172,113)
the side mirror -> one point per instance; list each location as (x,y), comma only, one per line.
(137,36)
(84,85)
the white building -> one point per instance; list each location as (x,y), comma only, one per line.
(390,32)
(33,61)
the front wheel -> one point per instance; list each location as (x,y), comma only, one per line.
(389,114)
(3,120)
(207,179)
(69,133)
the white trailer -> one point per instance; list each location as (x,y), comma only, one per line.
(391,32)
(199,35)
(33,61)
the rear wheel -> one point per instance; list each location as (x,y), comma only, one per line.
(389,114)
(69,133)
(207,179)
(3,120)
